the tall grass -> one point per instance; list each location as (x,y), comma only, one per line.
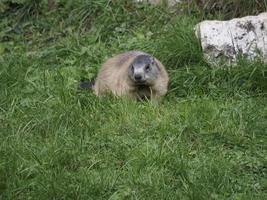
(224,9)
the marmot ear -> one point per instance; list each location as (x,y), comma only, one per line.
(154,62)
(157,66)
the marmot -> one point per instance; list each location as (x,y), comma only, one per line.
(134,74)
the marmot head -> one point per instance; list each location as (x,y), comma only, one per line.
(143,70)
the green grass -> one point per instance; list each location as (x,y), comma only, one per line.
(207,139)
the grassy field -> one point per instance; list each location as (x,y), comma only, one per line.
(206,140)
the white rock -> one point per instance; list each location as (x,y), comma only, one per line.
(245,36)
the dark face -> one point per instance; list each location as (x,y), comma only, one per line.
(143,70)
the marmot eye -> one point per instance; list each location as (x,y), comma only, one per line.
(132,68)
(147,68)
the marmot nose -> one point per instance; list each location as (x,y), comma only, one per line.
(138,77)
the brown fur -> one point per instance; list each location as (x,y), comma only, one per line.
(113,77)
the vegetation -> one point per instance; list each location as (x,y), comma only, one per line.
(206,140)
(225,9)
